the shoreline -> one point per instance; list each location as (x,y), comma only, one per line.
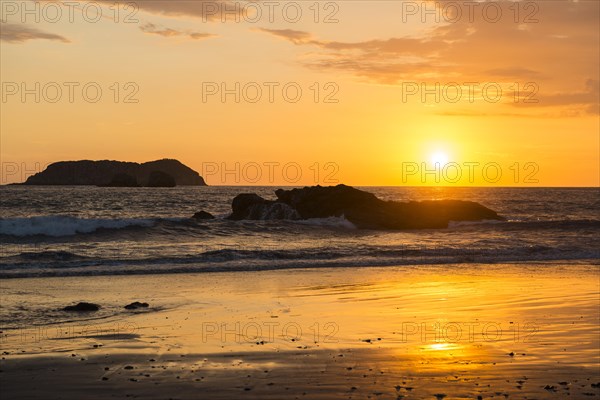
(319,333)
(316,266)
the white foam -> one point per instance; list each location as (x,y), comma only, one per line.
(61,225)
(335,222)
(454,224)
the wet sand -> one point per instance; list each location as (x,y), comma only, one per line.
(463,331)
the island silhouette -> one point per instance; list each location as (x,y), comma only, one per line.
(159,173)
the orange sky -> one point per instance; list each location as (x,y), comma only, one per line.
(388,89)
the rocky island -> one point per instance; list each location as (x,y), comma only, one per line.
(361,208)
(159,173)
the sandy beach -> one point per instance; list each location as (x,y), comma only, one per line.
(462,331)
(224,199)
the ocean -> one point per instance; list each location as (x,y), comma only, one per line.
(87,231)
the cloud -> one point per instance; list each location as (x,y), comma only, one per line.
(587,97)
(512,72)
(16,33)
(466,113)
(556,52)
(296,37)
(200,35)
(393,46)
(209,10)
(169,32)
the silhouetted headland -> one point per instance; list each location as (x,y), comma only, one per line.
(361,208)
(159,173)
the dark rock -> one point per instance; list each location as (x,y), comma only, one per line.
(243,204)
(252,206)
(102,173)
(135,305)
(122,179)
(276,210)
(160,179)
(361,208)
(322,202)
(82,307)
(203,215)
(365,210)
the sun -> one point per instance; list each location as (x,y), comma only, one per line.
(439,157)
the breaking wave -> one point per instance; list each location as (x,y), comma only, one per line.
(63,225)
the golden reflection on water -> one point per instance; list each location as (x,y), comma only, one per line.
(442,346)
(463,313)
(471,329)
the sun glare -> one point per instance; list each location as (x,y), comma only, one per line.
(439,157)
(439,346)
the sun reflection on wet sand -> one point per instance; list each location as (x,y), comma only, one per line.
(442,346)
(471,330)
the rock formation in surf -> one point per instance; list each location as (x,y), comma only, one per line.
(361,208)
(252,206)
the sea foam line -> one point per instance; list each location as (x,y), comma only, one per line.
(63,225)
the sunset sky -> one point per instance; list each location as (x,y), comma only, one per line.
(368,113)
